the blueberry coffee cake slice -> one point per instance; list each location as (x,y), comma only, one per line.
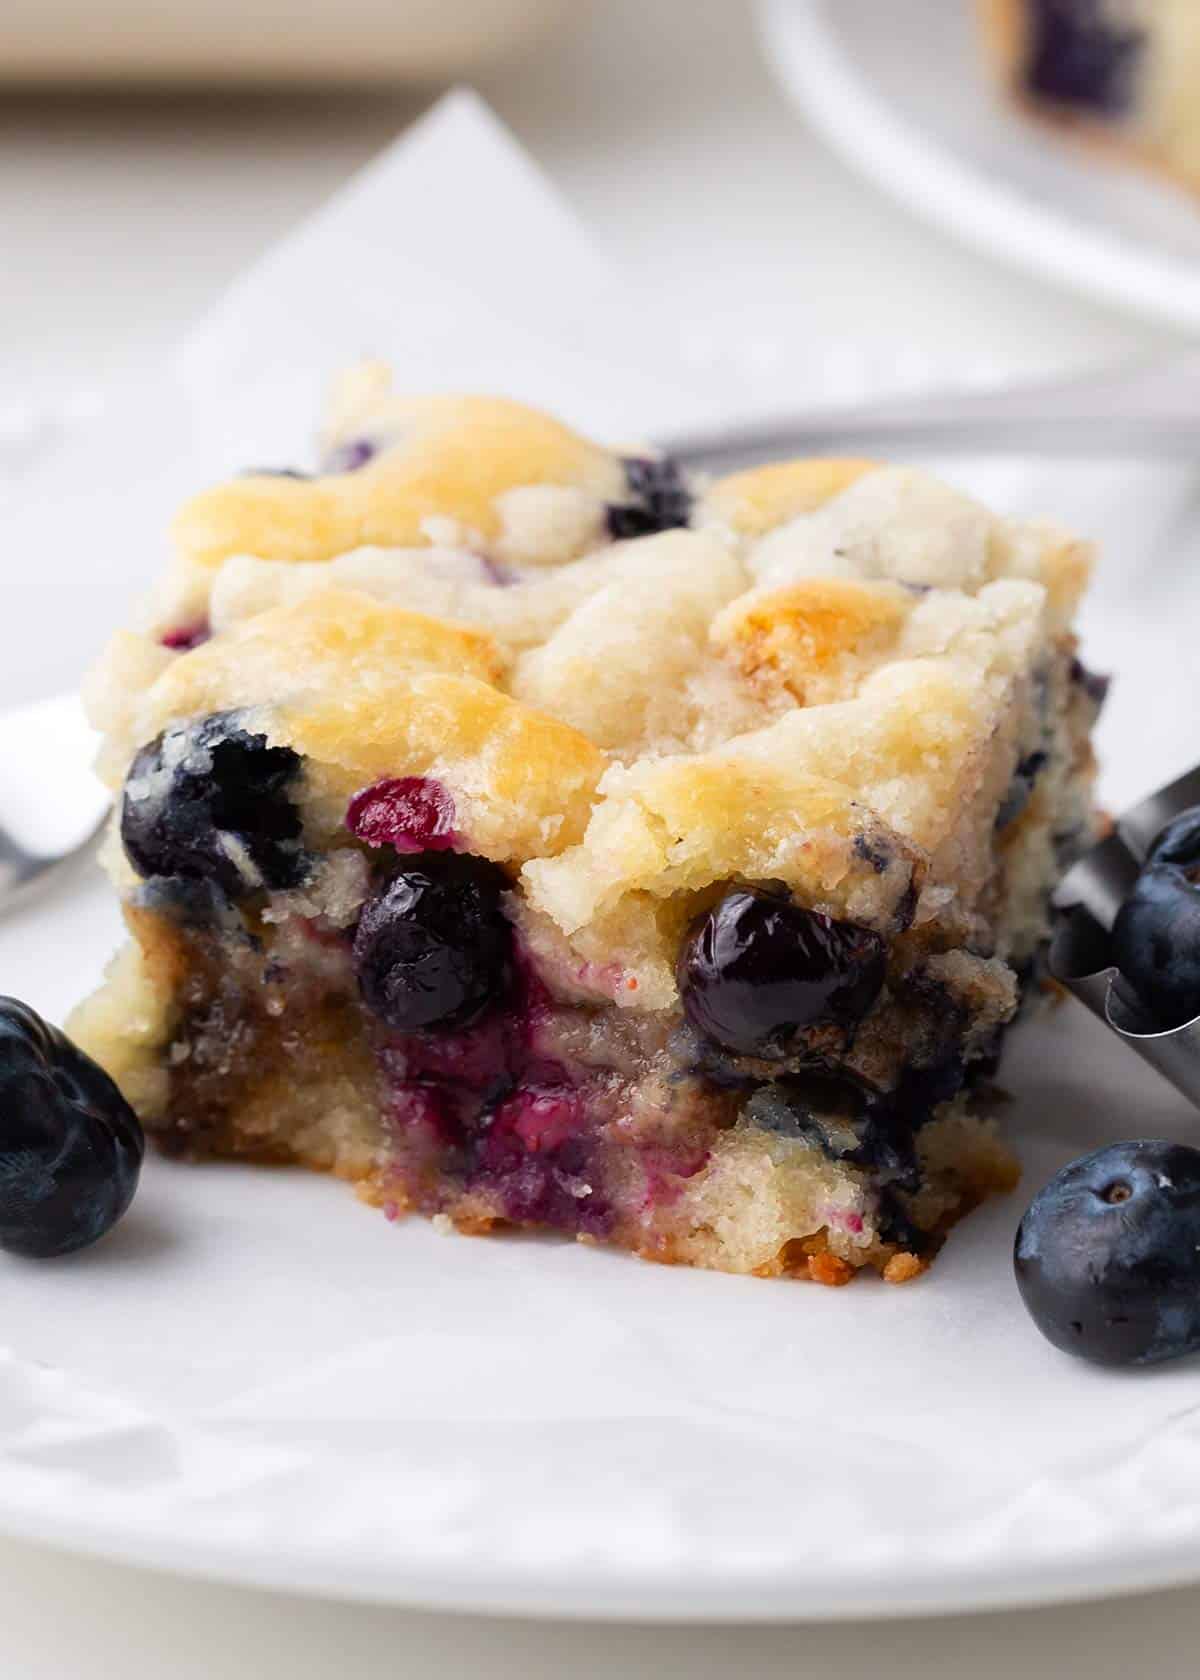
(1125,71)
(536,838)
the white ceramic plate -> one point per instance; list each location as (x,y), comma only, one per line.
(900,90)
(257,1379)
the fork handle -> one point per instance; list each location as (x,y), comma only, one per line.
(1147,410)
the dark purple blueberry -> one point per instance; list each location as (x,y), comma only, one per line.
(873,852)
(659,499)
(1179,842)
(209,801)
(1108,1255)
(1093,683)
(70,1145)
(1020,789)
(1156,940)
(755,970)
(349,457)
(433,948)
(841,1120)
(895,1224)
(922,1089)
(1080,54)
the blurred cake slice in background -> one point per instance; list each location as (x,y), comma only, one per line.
(1126,71)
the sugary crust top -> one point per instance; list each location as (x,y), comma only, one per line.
(437,458)
(361,688)
(825,681)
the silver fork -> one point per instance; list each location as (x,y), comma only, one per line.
(54,808)
(1144,410)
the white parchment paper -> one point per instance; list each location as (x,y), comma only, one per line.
(255,1377)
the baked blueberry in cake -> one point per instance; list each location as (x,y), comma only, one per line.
(1126,71)
(535,837)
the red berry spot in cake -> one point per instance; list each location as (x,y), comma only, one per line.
(667,1167)
(420,1107)
(411,813)
(542,1119)
(184,637)
(489,1107)
(550,1184)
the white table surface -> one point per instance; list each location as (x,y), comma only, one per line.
(121,219)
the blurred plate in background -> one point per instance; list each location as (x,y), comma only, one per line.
(902,93)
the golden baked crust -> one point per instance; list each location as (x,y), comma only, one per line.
(359,688)
(755,501)
(802,638)
(453,458)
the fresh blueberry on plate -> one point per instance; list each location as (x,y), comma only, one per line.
(70,1145)
(1156,934)
(1179,841)
(1107,1256)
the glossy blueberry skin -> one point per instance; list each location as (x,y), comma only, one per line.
(70,1145)
(433,948)
(1179,842)
(209,801)
(1156,943)
(755,970)
(659,500)
(1108,1255)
